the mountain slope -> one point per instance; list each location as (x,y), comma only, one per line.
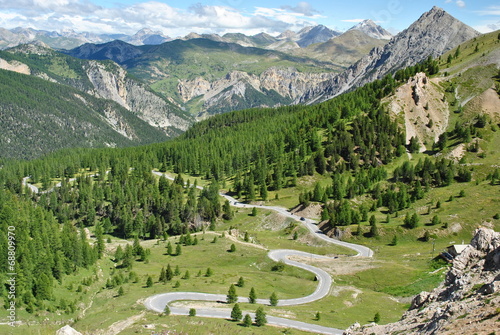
(465,303)
(183,70)
(117,51)
(464,89)
(104,80)
(316,34)
(434,33)
(343,50)
(39,116)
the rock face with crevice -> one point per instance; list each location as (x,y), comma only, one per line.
(239,90)
(419,102)
(465,303)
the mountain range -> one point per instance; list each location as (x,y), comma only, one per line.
(169,85)
(434,33)
(69,39)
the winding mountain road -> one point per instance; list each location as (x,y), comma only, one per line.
(159,301)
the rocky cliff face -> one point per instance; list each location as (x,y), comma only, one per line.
(434,33)
(425,113)
(465,303)
(288,83)
(112,83)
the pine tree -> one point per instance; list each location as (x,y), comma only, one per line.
(136,247)
(394,240)
(260,317)
(254,211)
(209,272)
(192,312)
(149,282)
(118,254)
(374,230)
(186,275)
(169,274)
(228,212)
(414,221)
(252,297)
(263,191)
(247,320)
(178,250)
(166,310)
(128,257)
(273,300)
(232,248)
(236,313)
(435,220)
(241,282)
(414,146)
(317,316)
(121,291)
(232,297)
(99,240)
(163,275)
(169,248)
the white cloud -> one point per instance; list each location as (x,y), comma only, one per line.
(492,10)
(302,7)
(81,15)
(487,26)
(459,3)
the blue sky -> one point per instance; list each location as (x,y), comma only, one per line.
(179,17)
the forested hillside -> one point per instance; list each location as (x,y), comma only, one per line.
(49,116)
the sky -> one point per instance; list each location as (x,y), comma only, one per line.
(179,17)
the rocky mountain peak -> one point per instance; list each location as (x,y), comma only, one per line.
(434,33)
(287,34)
(373,30)
(465,303)
(147,36)
(315,34)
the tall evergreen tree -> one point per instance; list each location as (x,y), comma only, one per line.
(236,313)
(232,297)
(260,317)
(252,297)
